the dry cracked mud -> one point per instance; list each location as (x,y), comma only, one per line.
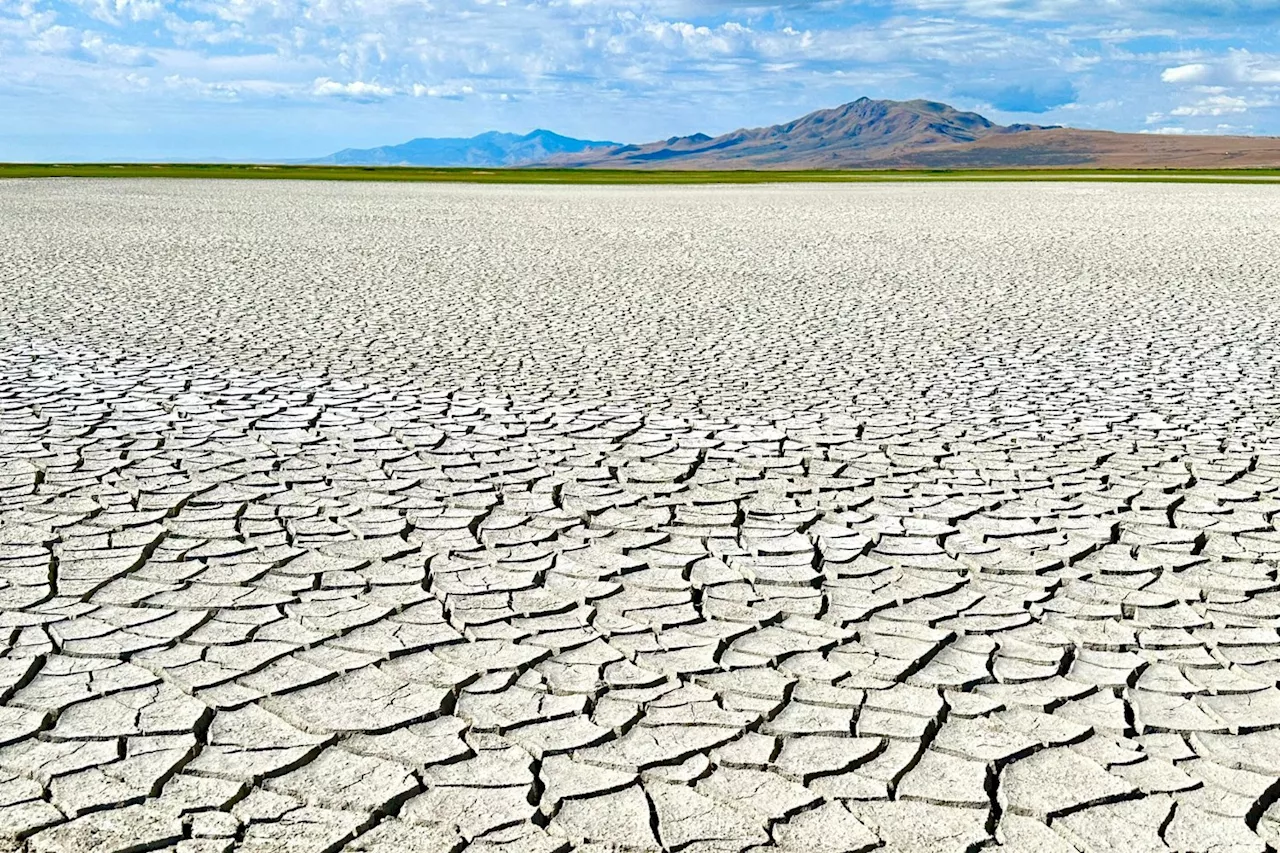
(446,518)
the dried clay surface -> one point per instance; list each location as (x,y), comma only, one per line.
(533,519)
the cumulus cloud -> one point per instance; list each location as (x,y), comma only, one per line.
(1238,67)
(1195,72)
(227,89)
(117,12)
(418,90)
(1212,107)
(356,90)
(1222,105)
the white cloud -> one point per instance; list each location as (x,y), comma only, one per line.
(1221,105)
(117,54)
(1196,72)
(227,89)
(115,12)
(56,39)
(356,90)
(418,90)
(1238,67)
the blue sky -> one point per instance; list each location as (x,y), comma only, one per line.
(272,79)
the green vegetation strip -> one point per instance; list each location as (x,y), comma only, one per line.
(612,176)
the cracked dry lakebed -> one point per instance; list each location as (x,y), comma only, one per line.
(442,518)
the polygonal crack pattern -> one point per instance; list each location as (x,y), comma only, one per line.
(444,518)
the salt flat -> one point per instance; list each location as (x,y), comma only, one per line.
(823,518)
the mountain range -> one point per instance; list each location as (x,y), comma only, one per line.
(861,131)
(492,149)
(863,134)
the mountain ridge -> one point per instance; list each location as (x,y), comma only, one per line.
(492,148)
(921,134)
(861,134)
(860,129)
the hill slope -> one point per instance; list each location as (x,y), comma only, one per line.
(924,135)
(1100,149)
(488,149)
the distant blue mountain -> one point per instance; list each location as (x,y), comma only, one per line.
(488,149)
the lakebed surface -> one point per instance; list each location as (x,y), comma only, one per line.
(444,517)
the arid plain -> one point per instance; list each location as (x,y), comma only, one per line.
(712,519)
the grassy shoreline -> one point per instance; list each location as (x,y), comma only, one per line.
(614,176)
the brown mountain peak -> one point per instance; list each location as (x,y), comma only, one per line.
(869,133)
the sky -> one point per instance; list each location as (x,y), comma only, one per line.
(262,80)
